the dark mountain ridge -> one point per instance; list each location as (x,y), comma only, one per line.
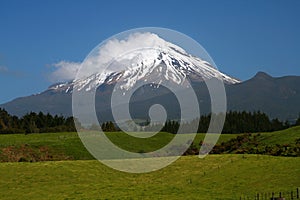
(278,97)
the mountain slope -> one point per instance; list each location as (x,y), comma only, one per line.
(278,97)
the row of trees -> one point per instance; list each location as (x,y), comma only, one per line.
(235,122)
(34,123)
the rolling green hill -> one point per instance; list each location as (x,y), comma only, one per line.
(281,137)
(67,146)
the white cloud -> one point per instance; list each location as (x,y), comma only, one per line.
(100,57)
(64,71)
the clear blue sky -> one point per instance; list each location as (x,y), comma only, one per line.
(242,37)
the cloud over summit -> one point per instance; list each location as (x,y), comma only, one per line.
(101,57)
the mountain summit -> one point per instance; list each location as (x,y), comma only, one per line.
(156,62)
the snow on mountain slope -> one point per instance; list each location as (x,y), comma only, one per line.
(159,61)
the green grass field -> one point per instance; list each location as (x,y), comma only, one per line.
(281,137)
(214,177)
(69,144)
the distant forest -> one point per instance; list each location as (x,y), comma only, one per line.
(236,122)
(34,123)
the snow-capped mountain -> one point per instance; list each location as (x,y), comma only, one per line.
(162,61)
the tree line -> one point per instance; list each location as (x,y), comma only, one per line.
(235,122)
(34,123)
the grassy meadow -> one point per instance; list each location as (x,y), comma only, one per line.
(68,146)
(74,174)
(214,177)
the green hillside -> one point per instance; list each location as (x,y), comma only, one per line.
(287,136)
(62,146)
(67,146)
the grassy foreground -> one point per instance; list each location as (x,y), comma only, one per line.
(214,177)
